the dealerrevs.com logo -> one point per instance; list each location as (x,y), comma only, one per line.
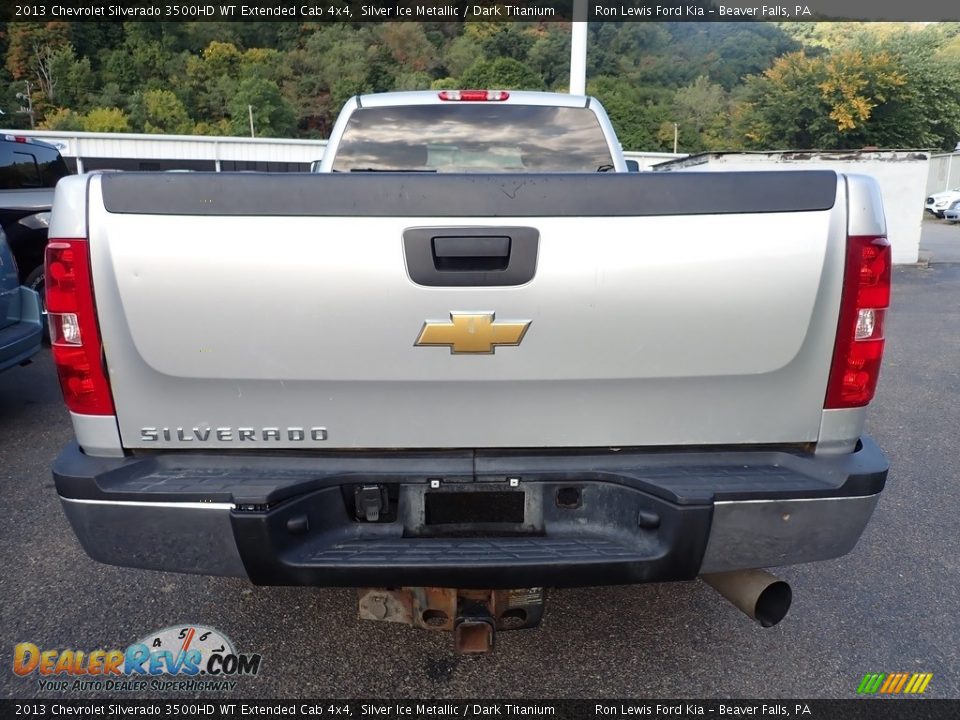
(181,658)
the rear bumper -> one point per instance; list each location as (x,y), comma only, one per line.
(22,340)
(622,517)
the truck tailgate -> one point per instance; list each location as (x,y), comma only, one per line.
(244,311)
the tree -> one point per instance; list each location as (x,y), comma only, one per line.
(447,83)
(854,84)
(48,64)
(221,58)
(735,50)
(508,40)
(221,128)
(273,116)
(28,40)
(550,57)
(106,120)
(412,81)
(950,50)
(41,54)
(637,112)
(88,38)
(925,111)
(894,92)
(144,61)
(701,111)
(381,70)
(211,80)
(824,102)
(501,74)
(109,95)
(625,49)
(331,67)
(264,62)
(71,79)
(407,45)
(62,119)
(161,112)
(783,107)
(463,52)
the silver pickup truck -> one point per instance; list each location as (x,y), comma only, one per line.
(465,363)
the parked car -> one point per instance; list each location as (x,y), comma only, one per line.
(21,333)
(952,213)
(938,203)
(29,170)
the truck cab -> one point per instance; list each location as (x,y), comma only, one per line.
(476,131)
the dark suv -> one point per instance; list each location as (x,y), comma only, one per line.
(29,170)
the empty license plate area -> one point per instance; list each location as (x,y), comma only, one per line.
(466,508)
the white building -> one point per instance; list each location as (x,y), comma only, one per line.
(944,172)
(902,175)
(85,151)
(647,160)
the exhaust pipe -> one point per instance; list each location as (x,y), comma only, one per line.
(756,593)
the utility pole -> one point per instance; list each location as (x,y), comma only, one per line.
(578,49)
(250,113)
(676,135)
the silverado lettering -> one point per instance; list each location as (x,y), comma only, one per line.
(291,434)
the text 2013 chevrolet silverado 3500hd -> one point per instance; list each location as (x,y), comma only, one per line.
(457,389)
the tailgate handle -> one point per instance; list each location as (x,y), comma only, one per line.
(473,253)
(458,256)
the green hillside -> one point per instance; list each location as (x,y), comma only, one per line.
(725,85)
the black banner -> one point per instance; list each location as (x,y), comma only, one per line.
(857,709)
(479,10)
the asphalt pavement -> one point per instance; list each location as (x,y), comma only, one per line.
(891,605)
(940,240)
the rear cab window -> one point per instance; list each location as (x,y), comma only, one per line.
(473,137)
(29,165)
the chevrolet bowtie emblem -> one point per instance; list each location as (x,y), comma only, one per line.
(472,333)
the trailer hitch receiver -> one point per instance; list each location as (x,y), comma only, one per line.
(474,616)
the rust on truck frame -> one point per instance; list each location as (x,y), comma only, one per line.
(474,616)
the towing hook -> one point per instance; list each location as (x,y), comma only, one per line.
(756,593)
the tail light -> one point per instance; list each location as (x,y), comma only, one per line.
(473,95)
(74,334)
(863,306)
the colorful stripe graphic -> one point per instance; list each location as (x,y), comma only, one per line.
(894,683)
